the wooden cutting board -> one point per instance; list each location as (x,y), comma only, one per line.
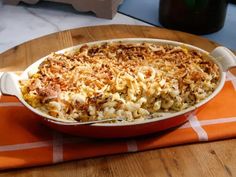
(202,159)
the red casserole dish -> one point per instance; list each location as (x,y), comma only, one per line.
(222,56)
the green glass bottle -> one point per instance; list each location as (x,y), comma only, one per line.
(194,16)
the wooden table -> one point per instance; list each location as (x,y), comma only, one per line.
(203,159)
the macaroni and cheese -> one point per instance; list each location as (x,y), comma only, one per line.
(133,81)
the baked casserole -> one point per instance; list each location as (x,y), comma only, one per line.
(132,81)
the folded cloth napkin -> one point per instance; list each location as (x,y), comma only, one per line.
(25,142)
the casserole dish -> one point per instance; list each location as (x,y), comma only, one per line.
(221,56)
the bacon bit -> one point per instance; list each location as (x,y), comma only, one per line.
(53,113)
(197,76)
(49,92)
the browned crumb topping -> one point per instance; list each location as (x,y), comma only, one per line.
(114,80)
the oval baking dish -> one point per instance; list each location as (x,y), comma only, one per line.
(223,57)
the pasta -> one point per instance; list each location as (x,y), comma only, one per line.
(120,80)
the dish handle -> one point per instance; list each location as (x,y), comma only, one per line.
(225,57)
(9,84)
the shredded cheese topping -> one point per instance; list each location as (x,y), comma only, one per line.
(133,81)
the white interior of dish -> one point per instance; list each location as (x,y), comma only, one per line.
(34,68)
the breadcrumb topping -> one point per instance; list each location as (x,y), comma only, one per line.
(120,80)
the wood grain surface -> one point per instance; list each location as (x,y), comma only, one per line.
(214,159)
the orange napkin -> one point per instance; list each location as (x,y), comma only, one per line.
(25,142)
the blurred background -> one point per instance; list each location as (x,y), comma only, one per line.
(28,21)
